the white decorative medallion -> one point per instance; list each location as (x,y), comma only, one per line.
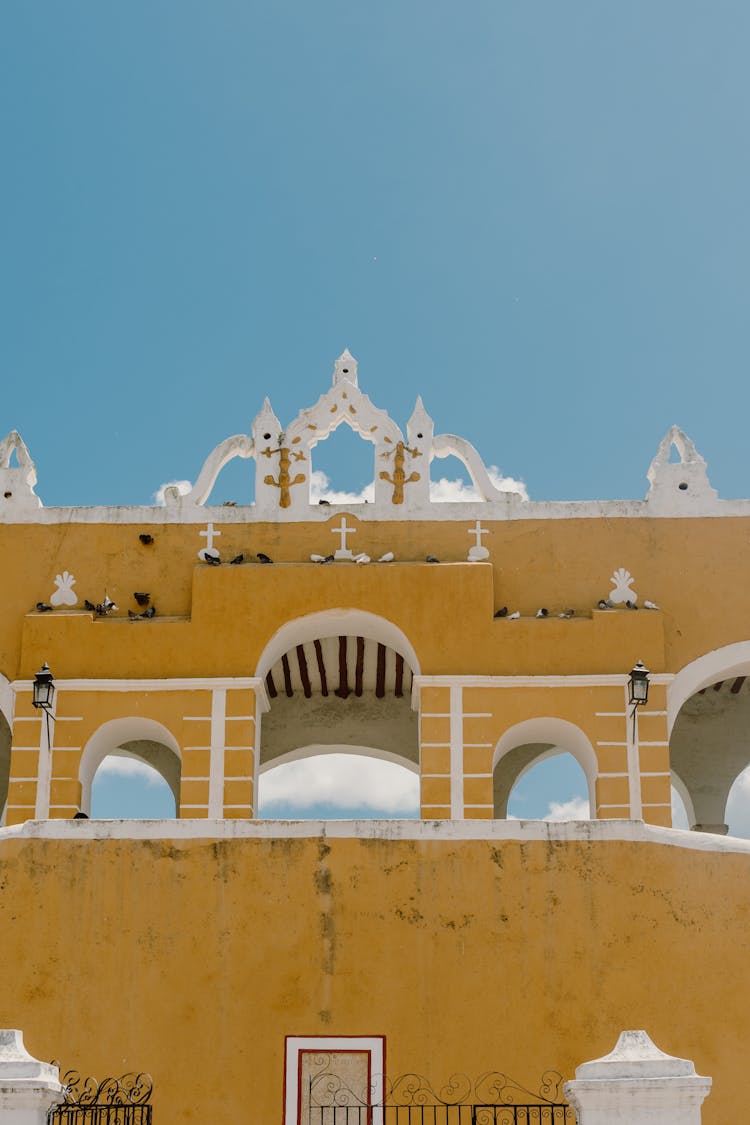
(623,592)
(64,594)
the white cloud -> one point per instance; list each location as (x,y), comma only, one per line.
(320,489)
(577,808)
(442,490)
(182,486)
(117,766)
(445,490)
(342,780)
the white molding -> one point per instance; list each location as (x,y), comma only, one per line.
(607,679)
(590,831)
(187,683)
(509,508)
(374,1045)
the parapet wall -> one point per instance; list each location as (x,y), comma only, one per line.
(192,950)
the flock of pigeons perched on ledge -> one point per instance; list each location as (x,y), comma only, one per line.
(604,603)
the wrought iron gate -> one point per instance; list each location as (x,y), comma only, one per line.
(494,1099)
(115,1101)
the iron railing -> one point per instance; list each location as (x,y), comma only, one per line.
(493,1099)
(115,1101)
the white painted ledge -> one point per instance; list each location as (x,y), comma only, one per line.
(522,831)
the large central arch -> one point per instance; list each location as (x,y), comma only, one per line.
(531,741)
(339,680)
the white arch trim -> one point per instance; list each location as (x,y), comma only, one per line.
(562,736)
(108,737)
(336,623)
(7,700)
(314,750)
(684,794)
(720,664)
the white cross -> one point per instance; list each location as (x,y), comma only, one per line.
(343,552)
(209,535)
(478,531)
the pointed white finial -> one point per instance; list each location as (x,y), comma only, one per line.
(345,369)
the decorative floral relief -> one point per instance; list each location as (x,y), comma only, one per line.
(622,581)
(64,594)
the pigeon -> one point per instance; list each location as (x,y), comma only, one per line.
(145,616)
(605,604)
(431,558)
(362,558)
(317,558)
(502,612)
(146,539)
(89,605)
(631,605)
(542,612)
(387,557)
(514,616)
(324,503)
(567,613)
(142,599)
(263,558)
(80,815)
(229,504)
(211,556)
(42,607)
(650,605)
(106,607)
(237,560)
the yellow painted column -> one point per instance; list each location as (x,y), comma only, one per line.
(24,760)
(241,733)
(65,786)
(653,758)
(478,724)
(435,752)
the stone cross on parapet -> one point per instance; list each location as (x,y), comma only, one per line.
(209,535)
(343,552)
(478,551)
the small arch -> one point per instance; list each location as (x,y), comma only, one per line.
(527,743)
(550,787)
(335,623)
(139,737)
(719,664)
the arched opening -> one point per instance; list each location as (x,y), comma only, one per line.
(5,741)
(551,787)
(136,762)
(450,481)
(564,766)
(710,748)
(338,783)
(339,681)
(343,469)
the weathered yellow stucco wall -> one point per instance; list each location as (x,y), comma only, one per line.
(192,959)
(556,563)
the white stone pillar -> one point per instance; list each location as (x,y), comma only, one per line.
(637,1084)
(28,1088)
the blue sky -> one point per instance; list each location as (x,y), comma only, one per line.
(533,213)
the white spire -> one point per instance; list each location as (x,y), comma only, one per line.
(345,369)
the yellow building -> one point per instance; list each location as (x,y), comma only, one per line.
(224,954)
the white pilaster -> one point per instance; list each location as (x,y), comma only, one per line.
(28,1088)
(637,1084)
(44,772)
(634,760)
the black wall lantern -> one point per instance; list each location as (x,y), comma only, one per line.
(638,685)
(43,690)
